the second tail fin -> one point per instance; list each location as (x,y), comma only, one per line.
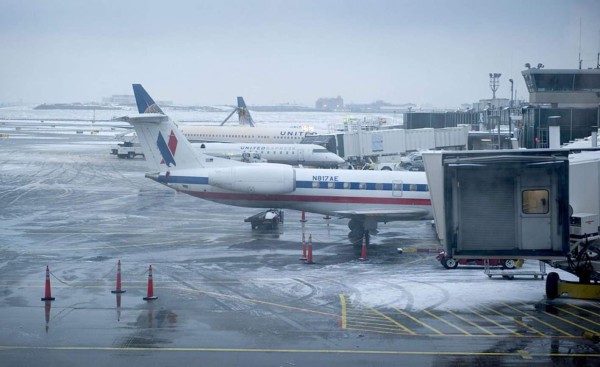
(145,103)
(243,113)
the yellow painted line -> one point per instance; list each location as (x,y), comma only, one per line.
(266,350)
(585,310)
(257,301)
(418,321)
(394,322)
(524,354)
(394,331)
(447,322)
(343,303)
(495,323)
(471,323)
(300,351)
(576,315)
(367,318)
(538,320)
(569,322)
(517,321)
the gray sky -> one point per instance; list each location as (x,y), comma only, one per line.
(208,52)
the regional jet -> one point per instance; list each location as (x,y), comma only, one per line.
(364,197)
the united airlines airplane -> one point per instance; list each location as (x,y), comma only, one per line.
(295,154)
(246,132)
(365,197)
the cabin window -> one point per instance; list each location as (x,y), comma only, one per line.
(331,185)
(362,186)
(378,186)
(413,187)
(315,184)
(346,185)
(535,202)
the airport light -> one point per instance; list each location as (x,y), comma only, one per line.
(494,83)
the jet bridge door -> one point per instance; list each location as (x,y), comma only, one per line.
(536,200)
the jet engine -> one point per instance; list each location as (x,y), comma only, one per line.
(255,179)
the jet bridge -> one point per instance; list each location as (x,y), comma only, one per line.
(515,204)
(501,204)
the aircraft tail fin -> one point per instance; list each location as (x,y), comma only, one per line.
(163,144)
(145,103)
(243,113)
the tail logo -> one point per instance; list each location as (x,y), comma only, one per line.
(167,150)
(153,108)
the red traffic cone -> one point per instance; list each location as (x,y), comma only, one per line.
(309,258)
(363,255)
(303,248)
(150,295)
(118,290)
(48,293)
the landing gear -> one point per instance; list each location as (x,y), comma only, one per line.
(357,230)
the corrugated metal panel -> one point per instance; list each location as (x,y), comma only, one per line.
(491,215)
(420,139)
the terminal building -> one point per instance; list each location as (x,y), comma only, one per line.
(567,98)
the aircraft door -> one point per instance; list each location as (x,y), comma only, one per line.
(397,189)
(535,217)
(300,155)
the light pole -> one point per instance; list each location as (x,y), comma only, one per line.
(494,83)
(511,92)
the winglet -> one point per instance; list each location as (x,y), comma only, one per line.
(145,103)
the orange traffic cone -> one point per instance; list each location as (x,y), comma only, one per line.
(309,258)
(303,217)
(118,290)
(303,248)
(150,295)
(363,255)
(48,293)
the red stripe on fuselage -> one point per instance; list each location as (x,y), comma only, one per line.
(311,198)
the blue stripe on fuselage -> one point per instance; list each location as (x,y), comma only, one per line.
(195,180)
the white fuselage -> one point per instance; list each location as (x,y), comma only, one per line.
(244,134)
(294,154)
(343,193)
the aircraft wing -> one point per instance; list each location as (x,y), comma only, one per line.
(384,215)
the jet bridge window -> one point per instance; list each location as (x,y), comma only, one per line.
(535,202)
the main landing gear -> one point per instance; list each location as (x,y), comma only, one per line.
(358,231)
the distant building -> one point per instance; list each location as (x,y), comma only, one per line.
(330,104)
(128,100)
(120,99)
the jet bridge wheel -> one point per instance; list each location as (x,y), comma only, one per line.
(449,263)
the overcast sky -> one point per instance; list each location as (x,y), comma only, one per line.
(208,52)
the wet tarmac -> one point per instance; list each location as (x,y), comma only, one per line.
(228,295)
